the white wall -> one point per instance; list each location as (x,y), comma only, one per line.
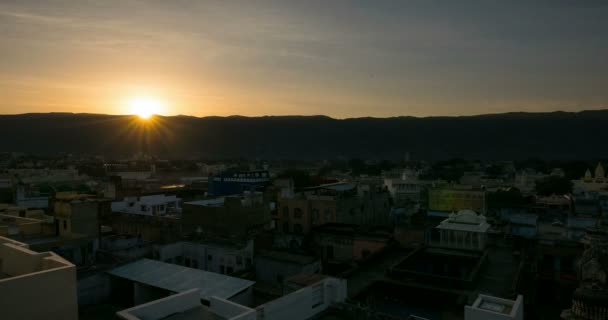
(230,310)
(162,308)
(474,313)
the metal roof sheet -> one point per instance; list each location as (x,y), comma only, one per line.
(179,279)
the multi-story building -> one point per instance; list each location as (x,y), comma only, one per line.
(237,182)
(404,191)
(35,285)
(359,204)
(446,200)
(235,216)
(464,230)
(155,205)
(215,255)
(309,302)
(339,243)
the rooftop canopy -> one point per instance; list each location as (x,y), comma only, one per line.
(180,279)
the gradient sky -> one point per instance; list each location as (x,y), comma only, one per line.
(339,58)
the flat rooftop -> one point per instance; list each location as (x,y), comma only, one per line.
(287,257)
(16,259)
(179,279)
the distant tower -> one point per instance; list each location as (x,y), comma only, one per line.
(588,174)
(599,171)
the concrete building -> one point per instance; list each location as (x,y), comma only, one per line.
(523,225)
(155,205)
(406,189)
(35,285)
(493,308)
(340,243)
(163,229)
(17,227)
(349,203)
(446,200)
(237,182)
(525,180)
(78,213)
(464,230)
(77,227)
(224,257)
(229,216)
(273,267)
(309,302)
(146,280)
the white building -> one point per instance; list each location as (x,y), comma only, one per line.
(408,187)
(153,205)
(224,258)
(306,303)
(464,230)
(35,285)
(493,308)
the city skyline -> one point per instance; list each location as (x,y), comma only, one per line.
(342,59)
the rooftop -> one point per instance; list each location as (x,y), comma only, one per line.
(306,279)
(465,220)
(490,307)
(286,257)
(16,259)
(179,279)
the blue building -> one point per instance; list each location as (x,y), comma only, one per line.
(236,182)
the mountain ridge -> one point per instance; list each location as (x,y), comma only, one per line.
(514,135)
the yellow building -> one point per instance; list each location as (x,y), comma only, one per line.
(35,285)
(454,199)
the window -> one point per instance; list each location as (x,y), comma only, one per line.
(316,215)
(286,212)
(239,260)
(65,224)
(329,252)
(285,226)
(297,228)
(194,263)
(297,213)
(222,269)
(187,262)
(248,262)
(229,270)
(209,257)
(144,207)
(328,216)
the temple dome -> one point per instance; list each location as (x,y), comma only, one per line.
(467,216)
(599,171)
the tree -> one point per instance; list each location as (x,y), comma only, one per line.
(553,185)
(510,197)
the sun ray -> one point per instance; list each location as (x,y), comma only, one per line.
(145,107)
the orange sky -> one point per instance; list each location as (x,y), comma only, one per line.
(344,59)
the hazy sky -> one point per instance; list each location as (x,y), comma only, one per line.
(340,58)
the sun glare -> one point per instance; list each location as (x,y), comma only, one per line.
(145,107)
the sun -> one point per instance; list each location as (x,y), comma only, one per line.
(145,107)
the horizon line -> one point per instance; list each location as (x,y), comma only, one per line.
(310,115)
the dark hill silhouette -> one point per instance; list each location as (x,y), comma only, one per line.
(555,135)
